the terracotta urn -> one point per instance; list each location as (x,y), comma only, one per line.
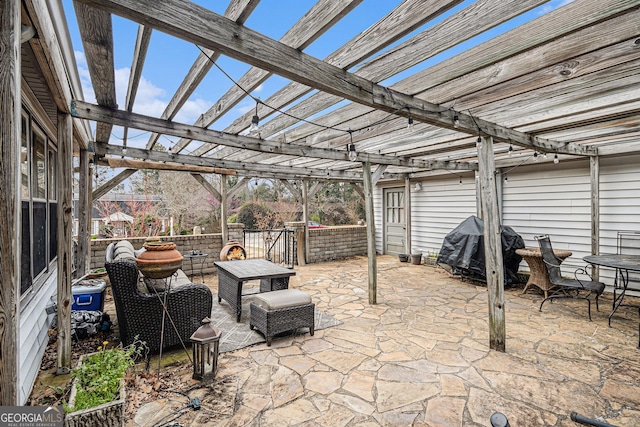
(159,260)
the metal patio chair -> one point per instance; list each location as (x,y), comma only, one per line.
(567,288)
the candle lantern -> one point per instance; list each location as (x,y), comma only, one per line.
(206,341)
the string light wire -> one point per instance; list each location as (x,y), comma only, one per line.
(278,110)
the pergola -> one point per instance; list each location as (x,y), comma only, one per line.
(565,83)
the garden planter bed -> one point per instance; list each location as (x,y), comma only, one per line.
(109,414)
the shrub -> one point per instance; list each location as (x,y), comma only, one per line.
(250,212)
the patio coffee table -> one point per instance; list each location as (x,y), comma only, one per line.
(538,271)
(232,274)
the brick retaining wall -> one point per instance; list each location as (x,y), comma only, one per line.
(337,242)
(325,244)
(206,243)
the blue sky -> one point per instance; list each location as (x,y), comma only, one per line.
(169,59)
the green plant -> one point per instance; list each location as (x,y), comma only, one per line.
(99,376)
(250,212)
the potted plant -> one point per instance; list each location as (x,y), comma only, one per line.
(98,393)
(416,258)
(431,258)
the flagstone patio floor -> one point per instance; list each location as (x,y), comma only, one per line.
(421,357)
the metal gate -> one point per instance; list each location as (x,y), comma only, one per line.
(277,246)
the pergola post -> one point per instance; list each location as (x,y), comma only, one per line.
(371,233)
(492,245)
(10,231)
(65,208)
(223,209)
(594,169)
(305,219)
(407,215)
(83,254)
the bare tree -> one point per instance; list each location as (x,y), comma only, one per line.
(186,200)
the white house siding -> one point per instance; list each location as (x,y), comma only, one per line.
(536,199)
(551,199)
(438,208)
(619,204)
(33,336)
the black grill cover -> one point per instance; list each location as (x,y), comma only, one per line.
(463,250)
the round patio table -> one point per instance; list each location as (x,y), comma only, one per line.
(538,270)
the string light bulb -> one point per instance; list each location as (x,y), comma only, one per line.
(351,148)
(255,122)
(460,180)
(556,160)
(510,152)
(456,121)
(479,142)
(351,152)
(410,123)
(535,156)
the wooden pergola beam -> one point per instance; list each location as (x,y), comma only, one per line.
(280,171)
(97,39)
(293,190)
(140,164)
(139,55)
(207,185)
(239,185)
(107,186)
(199,25)
(99,113)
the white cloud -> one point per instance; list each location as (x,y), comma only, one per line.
(192,109)
(151,100)
(148,98)
(245,108)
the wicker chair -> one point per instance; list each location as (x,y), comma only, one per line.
(567,288)
(140,314)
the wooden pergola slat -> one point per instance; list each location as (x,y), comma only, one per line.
(97,39)
(211,30)
(369,41)
(239,11)
(315,22)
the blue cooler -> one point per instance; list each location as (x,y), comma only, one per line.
(88,295)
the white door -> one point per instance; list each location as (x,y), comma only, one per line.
(394,226)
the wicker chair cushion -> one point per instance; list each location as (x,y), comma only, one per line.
(282,299)
(124,250)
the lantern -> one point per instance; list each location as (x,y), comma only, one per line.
(206,340)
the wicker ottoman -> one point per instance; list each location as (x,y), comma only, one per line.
(281,311)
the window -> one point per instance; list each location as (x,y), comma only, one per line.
(38,169)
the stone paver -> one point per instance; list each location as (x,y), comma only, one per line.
(420,357)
